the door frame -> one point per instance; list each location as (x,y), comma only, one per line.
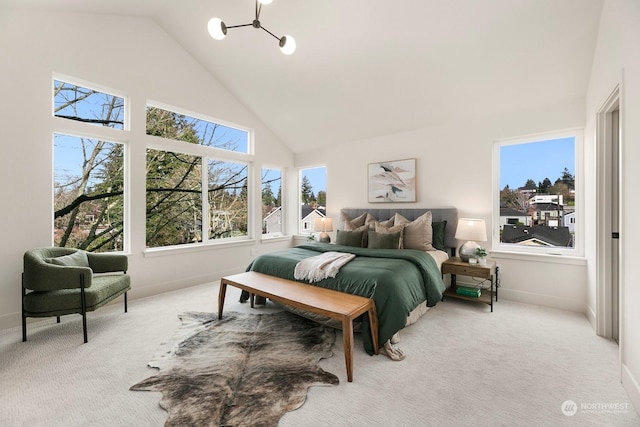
(604,309)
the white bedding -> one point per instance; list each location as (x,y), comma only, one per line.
(439,257)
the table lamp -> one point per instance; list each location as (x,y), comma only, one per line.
(473,231)
(323,225)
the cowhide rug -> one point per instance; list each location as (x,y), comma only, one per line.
(242,370)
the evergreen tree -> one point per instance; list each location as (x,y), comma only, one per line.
(543,187)
(307,191)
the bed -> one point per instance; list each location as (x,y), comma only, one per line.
(404,283)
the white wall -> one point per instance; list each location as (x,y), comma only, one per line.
(617,62)
(131,55)
(454,168)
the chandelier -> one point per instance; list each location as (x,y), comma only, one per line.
(218,30)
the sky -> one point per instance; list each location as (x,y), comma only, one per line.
(317,177)
(536,161)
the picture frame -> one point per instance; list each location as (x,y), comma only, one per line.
(392,181)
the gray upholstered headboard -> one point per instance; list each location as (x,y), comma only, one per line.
(438,214)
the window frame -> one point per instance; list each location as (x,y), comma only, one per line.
(78,129)
(223,152)
(283,224)
(578,248)
(300,225)
(206,153)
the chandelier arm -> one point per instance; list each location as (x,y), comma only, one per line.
(274,36)
(238,26)
(258,9)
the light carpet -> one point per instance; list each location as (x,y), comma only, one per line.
(465,366)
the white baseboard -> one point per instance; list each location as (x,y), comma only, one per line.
(591,316)
(544,300)
(631,386)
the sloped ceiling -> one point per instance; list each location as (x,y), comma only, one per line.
(365,68)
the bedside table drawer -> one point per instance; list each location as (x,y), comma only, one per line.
(467,270)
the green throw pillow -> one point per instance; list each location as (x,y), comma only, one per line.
(384,240)
(438,234)
(349,238)
(76,259)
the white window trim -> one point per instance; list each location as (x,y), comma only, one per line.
(195,115)
(207,153)
(77,129)
(578,250)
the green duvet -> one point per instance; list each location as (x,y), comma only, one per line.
(397,280)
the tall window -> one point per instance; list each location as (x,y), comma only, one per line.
(313,197)
(537,204)
(89,180)
(193,198)
(272,202)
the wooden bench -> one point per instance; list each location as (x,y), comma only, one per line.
(336,305)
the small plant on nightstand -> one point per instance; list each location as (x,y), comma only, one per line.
(481,254)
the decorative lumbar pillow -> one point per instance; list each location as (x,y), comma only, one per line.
(418,233)
(384,240)
(350,238)
(438,234)
(76,259)
(351,224)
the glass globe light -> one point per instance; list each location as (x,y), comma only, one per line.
(287,45)
(217,29)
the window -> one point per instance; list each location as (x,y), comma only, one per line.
(313,196)
(272,202)
(180,127)
(89,178)
(193,198)
(87,105)
(538,182)
(174,198)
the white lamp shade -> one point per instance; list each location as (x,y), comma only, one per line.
(265,1)
(323,224)
(287,45)
(471,229)
(216,28)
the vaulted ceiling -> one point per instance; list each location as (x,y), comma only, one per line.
(365,68)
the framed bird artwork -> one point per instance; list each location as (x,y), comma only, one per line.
(392,181)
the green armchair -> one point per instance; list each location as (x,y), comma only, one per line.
(59,281)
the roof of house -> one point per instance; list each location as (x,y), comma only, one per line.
(552,236)
(546,206)
(512,212)
(306,210)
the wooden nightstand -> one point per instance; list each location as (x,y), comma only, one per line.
(455,266)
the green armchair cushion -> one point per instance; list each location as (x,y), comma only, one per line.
(76,259)
(105,288)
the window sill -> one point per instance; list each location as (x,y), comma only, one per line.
(196,247)
(274,239)
(535,257)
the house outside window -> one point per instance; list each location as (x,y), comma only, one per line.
(537,183)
